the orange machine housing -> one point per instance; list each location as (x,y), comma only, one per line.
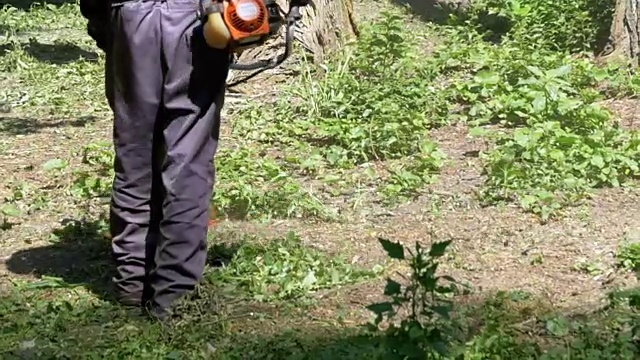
(247,21)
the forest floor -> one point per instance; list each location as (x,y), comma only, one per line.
(306,258)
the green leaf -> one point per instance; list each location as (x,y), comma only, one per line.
(522,137)
(392,288)
(478,131)
(559,72)
(442,311)
(597,161)
(380,308)
(310,279)
(415,332)
(526,201)
(599,74)
(394,250)
(553,92)
(558,326)
(556,154)
(487,77)
(54,164)
(10,210)
(438,248)
(174,355)
(535,71)
(539,104)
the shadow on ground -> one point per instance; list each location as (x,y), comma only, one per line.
(58,53)
(508,325)
(436,11)
(27,4)
(26,126)
(80,256)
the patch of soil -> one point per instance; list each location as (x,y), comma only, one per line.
(627,112)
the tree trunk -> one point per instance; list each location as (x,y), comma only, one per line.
(324,26)
(624,39)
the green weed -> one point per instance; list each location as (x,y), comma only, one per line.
(424,330)
(628,256)
(506,325)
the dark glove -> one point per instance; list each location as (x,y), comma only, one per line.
(97,12)
(93,10)
(98,32)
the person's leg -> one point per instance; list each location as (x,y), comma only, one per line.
(193,96)
(134,88)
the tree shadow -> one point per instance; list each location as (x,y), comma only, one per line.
(26,126)
(433,11)
(58,53)
(505,325)
(81,256)
(319,344)
(26,5)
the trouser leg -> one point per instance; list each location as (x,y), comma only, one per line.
(135,91)
(193,96)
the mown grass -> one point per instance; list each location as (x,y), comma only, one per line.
(356,137)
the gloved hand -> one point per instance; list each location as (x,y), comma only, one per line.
(98,31)
(95,9)
(97,12)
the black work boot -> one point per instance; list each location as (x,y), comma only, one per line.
(157,313)
(129,299)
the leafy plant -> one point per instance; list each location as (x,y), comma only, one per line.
(628,256)
(546,167)
(375,101)
(8,211)
(95,181)
(407,179)
(559,144)
(425,331)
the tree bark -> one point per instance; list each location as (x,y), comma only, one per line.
(324,26)
(624,38)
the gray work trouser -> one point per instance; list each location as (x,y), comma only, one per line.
(166,88)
